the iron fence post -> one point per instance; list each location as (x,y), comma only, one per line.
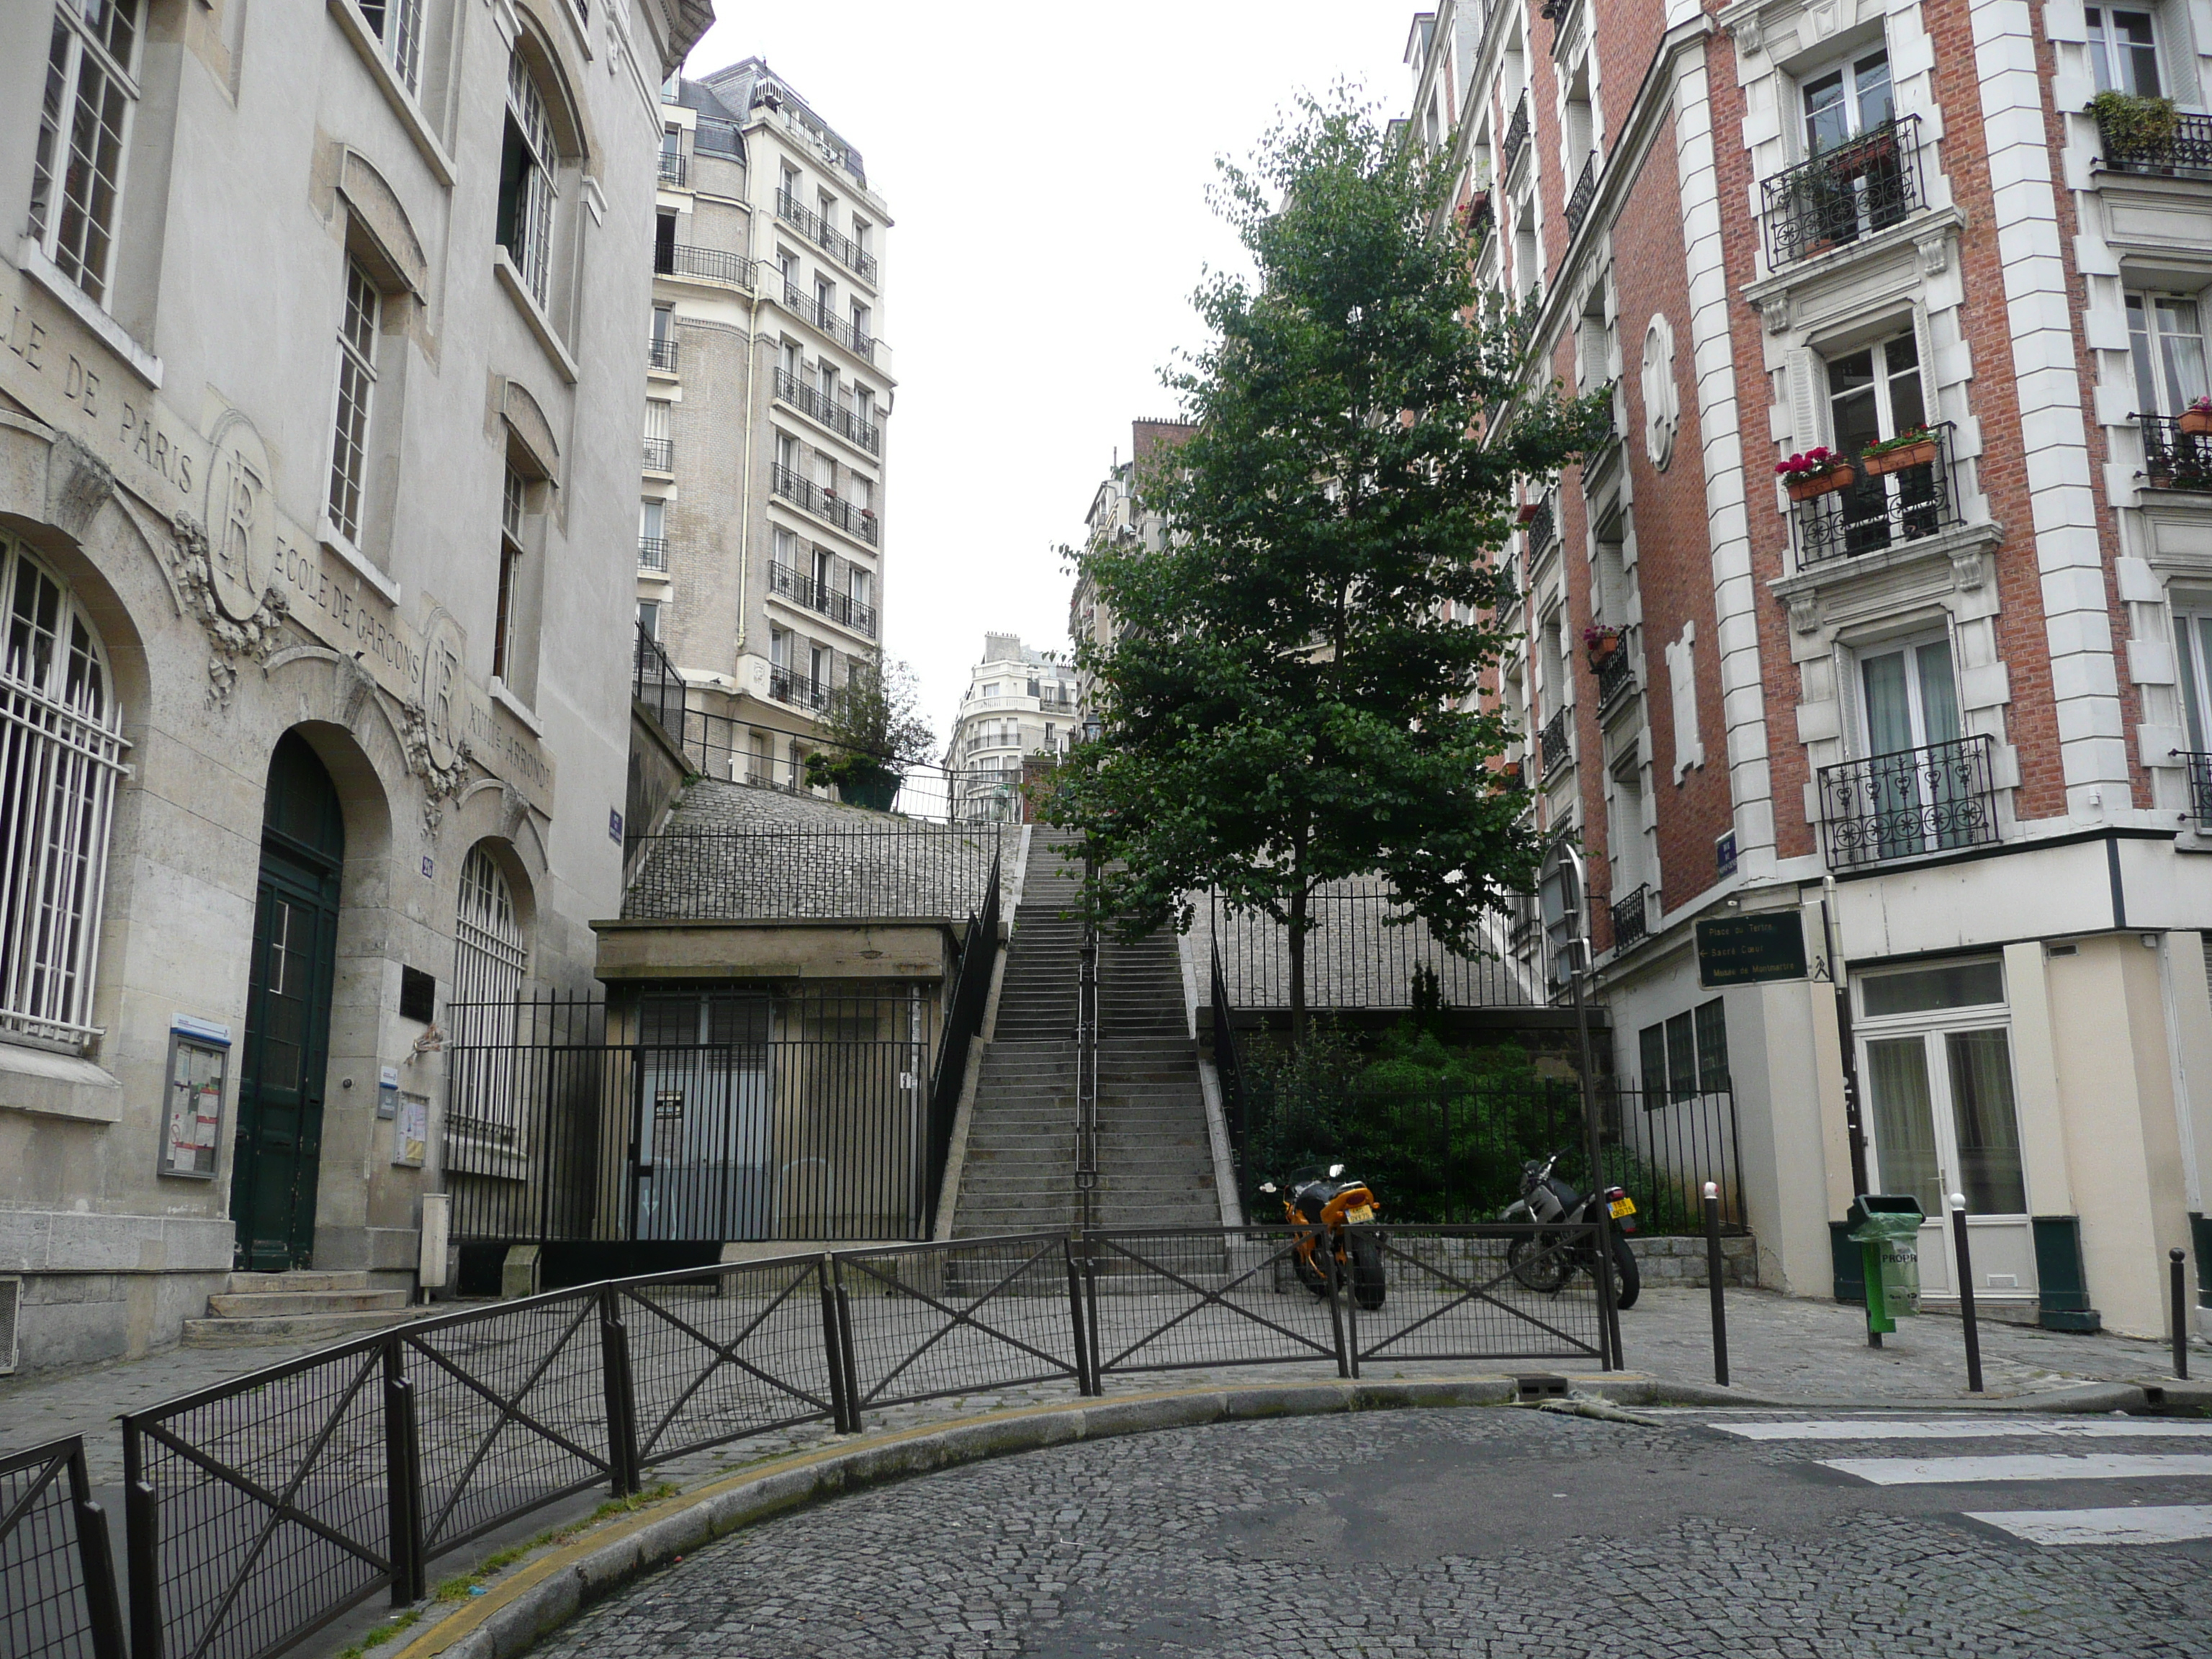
(833,1351)
(1713,1278)
(142,1529)
(1967,1293)
(622,1398)
(1090,1309)
(1346,1365)
(1084,1383)
(2178,1287)
(403,1480)
(96,1561)
(845,1360)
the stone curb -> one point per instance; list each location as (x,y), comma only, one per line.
(537,1597)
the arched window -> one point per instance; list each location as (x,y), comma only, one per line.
(61,752)
(528,180)
(489,956)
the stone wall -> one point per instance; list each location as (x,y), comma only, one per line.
(1680,1263)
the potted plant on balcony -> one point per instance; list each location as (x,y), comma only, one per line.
(1529,511)
(2195,421)
(1914,447)
(872,734)
(2136,130)
(1819,472)
(1599,643)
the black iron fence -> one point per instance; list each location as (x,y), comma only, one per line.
(2184,151)
(2174,458)
(1839,195)
(1900,495)
(655,683)
(1939,798)
(58,1592)
(1362,951)
(262,1508)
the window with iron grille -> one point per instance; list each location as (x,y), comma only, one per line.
(491,961)
(84,132)
(357,328)
(61,753)
(399,24)
(528,169)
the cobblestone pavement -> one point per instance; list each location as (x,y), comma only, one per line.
(1497,1533)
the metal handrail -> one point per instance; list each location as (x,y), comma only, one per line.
(1839,195)
(839,246)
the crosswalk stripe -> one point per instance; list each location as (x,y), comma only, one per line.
(2022,1465)
(2087,1428)
(2169,1523)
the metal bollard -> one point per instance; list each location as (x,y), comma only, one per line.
(2177,1263)
(1713,1278)
(1967,1293)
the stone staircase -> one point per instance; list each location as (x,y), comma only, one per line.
(304,1307)
(1156,1166)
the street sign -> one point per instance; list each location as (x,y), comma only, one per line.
(1751,950)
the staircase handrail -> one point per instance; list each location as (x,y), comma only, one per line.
(966,999)
(1229,1067)
(1086,1063)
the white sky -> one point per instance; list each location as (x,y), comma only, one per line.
(1047,171)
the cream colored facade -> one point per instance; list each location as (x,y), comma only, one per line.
(1020,702)
(761,541)
(316,410)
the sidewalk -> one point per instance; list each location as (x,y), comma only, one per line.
(1780,1348)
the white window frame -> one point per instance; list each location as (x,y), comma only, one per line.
(77,201)
(2192,630)
(2166,399)
(397,27)
(2108,56)
(1909,646)
(515,496)
(1847,67)
(530,244)
(61,756)
(361,320)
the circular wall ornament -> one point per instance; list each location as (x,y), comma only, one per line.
(1663,404)
(240,517)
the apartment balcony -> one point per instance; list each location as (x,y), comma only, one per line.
(1935,799)
(1845,193)
(1616,678)
(823,599)
(824,503)
(1516,134)
(661,354)
(1632,917)
(797,689)
(1585,192)
(703,264)
(652,552)
(660,455)
(674,168)
(815,229)
(1899,497)
(838,416)
(867,347)
(1542,530)
(2174,458)
(1558,747)
(2185,152)
(2200,786)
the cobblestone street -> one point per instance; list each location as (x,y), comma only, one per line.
(1489,1532)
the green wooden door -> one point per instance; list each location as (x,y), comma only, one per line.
(287,1016)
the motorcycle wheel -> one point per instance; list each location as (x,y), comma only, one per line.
(1542,1267)
(1627,1278)
(1367,1286)
(1309,1269)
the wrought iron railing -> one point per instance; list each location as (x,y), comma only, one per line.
(2185,154)
(1542,528)
(813,226)
(1557,747)
(1362,951)
(1835,198)
(673,169)
(57,1590)
(1615,676)
(799,690)
(2174,458)
(816,314)
(2200,785)
(1585,192)
(1939,798)
(1880,510)
(703,264)
(821,598)
(1516,134)
(967,994)
(823,502)
(661,353)
(652,552)
(655,683)
(660,455)
(838,416)
(1630,918)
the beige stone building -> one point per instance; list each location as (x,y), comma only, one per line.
(760,537)
(1117,514)
(316,410)
(1020,704)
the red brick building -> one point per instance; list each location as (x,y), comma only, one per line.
(1943,699)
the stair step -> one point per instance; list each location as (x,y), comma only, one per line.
(250,1283)
(302,1328)
(261,1304)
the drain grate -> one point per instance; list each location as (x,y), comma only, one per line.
(1538,1385)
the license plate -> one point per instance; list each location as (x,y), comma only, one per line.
(1363,1213)
(1624,1206)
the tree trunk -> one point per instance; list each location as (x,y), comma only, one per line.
(1298,969)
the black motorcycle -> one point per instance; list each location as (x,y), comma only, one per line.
(1547,1264)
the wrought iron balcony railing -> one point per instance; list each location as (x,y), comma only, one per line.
(674,169)
(1935,799)
(2173,459)
(703,264)
(661,353)
(1842,194)
(1881,509)
(2187,154)
(797,689)
(867,347)
(660,454)
(1630,918)
(1585,192)
(821,598)
(2200,786)
(1516,134)
(1614,676)
(824,503)
(652,552)
(1542,528)
(1558,749)
(815,229)
(836,415)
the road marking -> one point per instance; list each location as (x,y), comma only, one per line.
(2023,1466)
(2170,1523)
(1982,1428)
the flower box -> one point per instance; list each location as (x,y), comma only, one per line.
(1804,486)
(1898,459)
(2196,423)
(1528,510)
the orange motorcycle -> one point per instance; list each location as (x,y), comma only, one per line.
(1329,1211)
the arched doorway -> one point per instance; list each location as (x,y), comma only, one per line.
(288,1013)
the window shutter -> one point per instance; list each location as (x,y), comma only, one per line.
(1805,423)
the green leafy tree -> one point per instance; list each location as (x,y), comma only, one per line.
(872,731)
(1286,703)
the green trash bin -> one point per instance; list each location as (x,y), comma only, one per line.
(1886,1226)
